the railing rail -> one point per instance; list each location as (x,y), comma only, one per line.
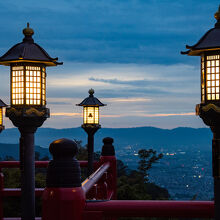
(160,209)
(38,164)
(95,177)
(5,192)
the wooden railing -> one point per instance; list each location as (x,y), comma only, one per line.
(100,189)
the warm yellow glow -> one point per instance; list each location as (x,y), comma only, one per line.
(1,118)
(17,81)
(91,115)
(28,85)
(202,79)
(33,85)
(212,78)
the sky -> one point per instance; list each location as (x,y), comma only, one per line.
(128,51)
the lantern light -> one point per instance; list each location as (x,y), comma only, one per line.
(91,124)
(28,63)
(91,109)
(208,48)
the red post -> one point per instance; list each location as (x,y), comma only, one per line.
(108,155)
(63,203)
(63,197)
(1,193)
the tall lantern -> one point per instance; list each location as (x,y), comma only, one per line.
(208,48)
(2,105)
(28,61)
(27,111)
(91,123)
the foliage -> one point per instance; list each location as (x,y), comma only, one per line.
(147,158)
(133,186)
(121,168)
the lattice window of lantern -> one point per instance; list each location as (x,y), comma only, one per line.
(202,79)
(17,85)
(91,115)
(96,115)
(212,77)
(1,118)
(43,86)
(33,85)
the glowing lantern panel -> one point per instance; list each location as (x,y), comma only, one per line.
(1,117)
(28,85)
(91,115)
(210,78)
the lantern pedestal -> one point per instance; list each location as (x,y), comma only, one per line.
(90,129)
(27,120)
(210,115)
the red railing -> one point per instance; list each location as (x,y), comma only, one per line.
(5,192)
(160,209)
(100,186)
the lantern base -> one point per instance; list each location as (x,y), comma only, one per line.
(91,129)
(209,113)
(27,117)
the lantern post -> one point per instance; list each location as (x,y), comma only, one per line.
(90,124)
(208,48)
(27,111)
(2,105)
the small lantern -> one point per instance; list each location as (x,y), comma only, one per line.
(91,109)
(208,47)
(2,105)
(28,62)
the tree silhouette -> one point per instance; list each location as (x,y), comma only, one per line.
(147,158)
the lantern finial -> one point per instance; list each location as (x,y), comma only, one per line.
(217,14)
(28,32)
(91,92)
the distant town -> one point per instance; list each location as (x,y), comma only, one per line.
(186,174)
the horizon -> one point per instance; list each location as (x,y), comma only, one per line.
(206,127)
(120,49)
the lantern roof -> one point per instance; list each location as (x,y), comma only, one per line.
(91,100)
(28,51)
(2,104)
(209,42)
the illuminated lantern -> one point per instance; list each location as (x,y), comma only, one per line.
(208,48)
(27,111)
(91,124)
(91,109)
(2,105)
(28,61)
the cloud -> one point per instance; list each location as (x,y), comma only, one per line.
(58,103)
(167,115)
(66,114)
(129,100)
(112,31)
(128,51)
(142,82)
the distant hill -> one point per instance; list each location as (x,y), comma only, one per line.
(13,151)
(144,137)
